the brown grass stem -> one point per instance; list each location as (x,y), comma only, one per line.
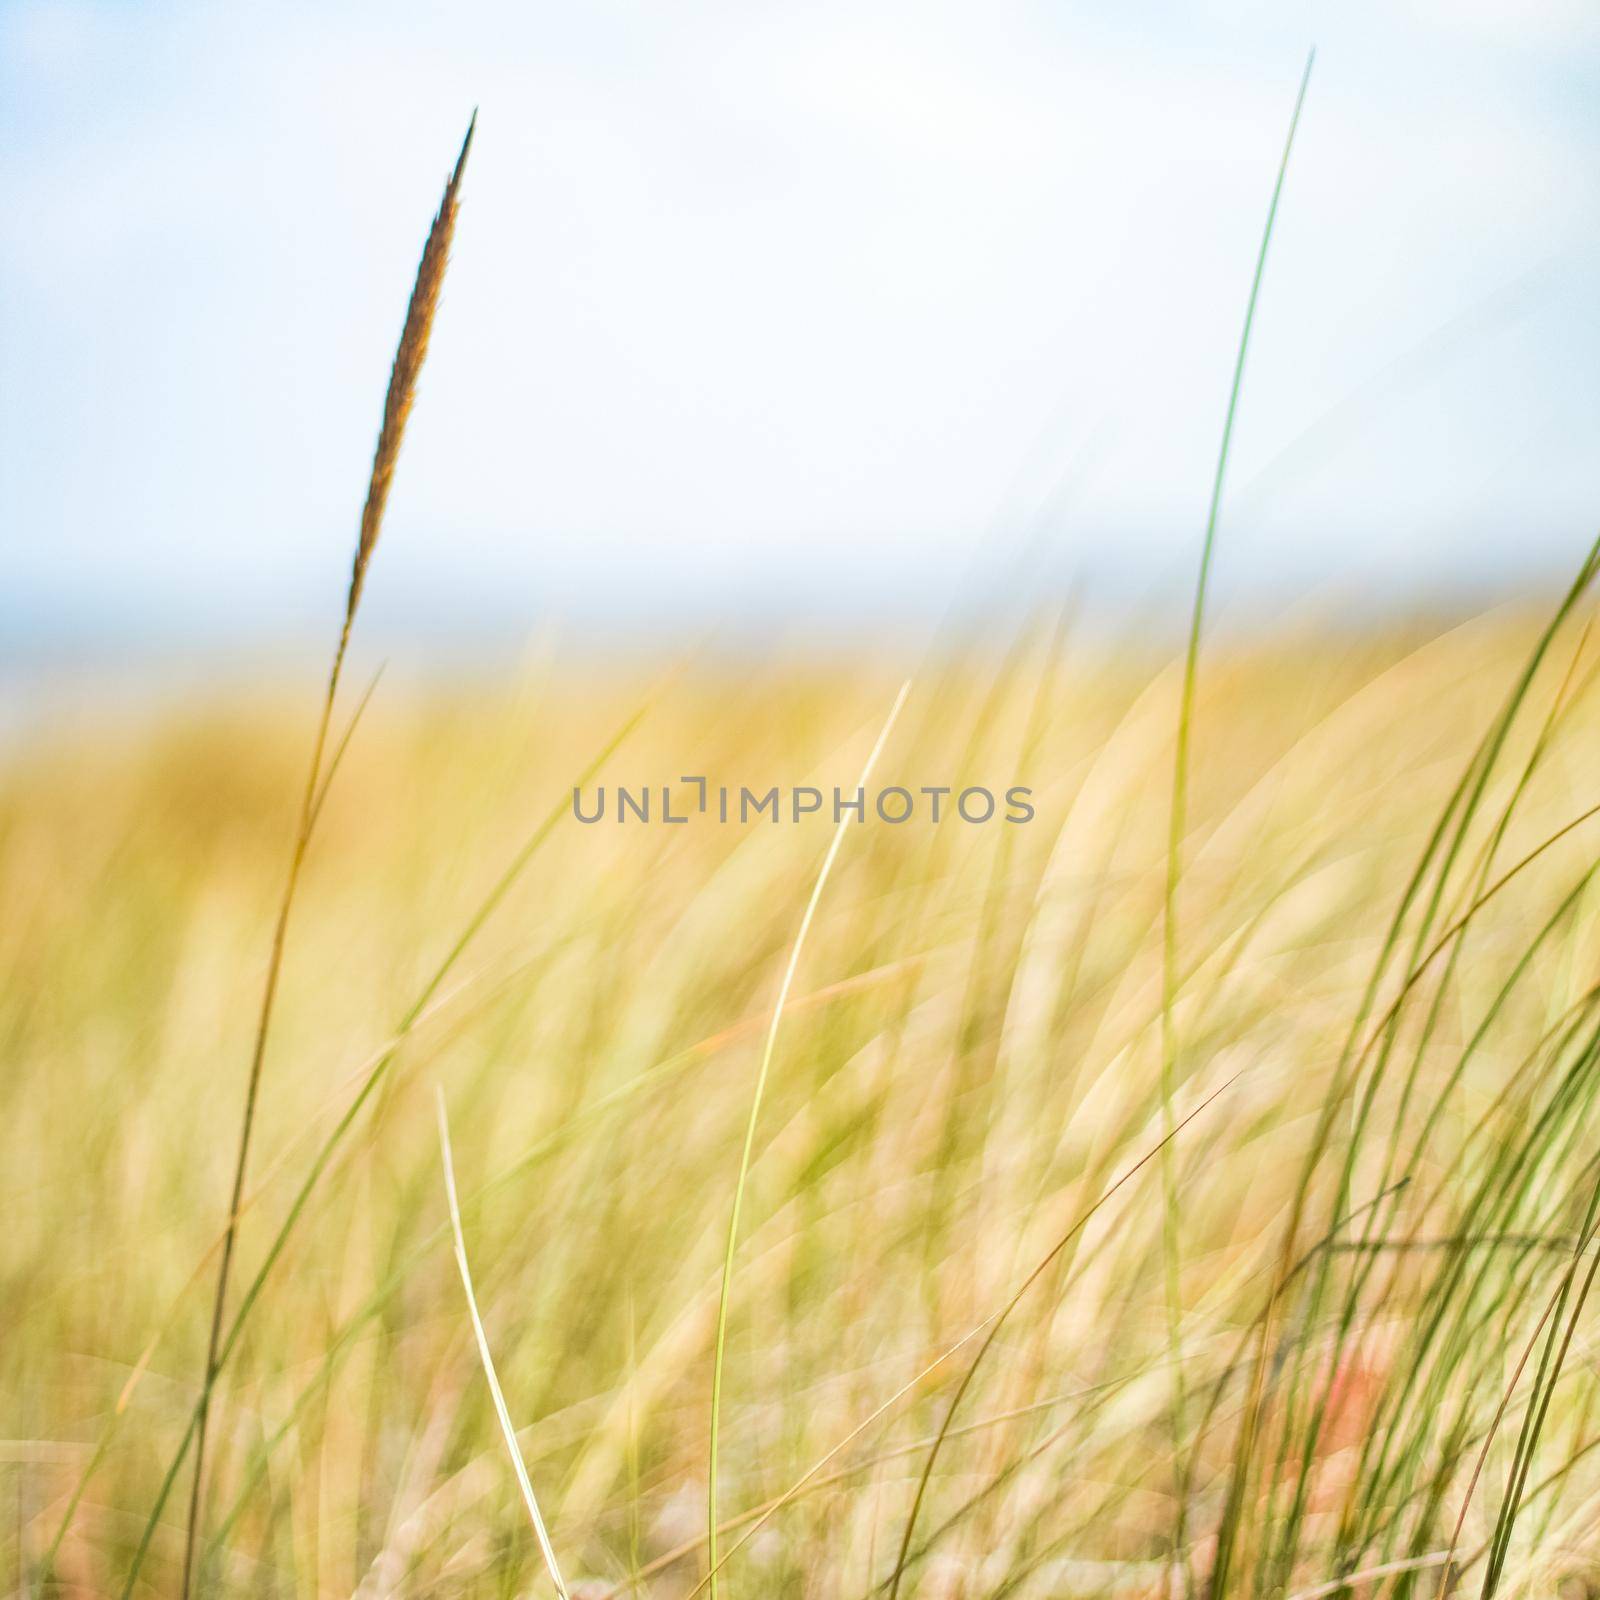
(398,401)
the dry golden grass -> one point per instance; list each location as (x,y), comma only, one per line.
(970,1058)
(818,1248)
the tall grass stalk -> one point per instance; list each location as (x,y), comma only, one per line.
(747,1152)
(1178,825)
(398,401)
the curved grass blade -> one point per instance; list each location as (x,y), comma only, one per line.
(529,1499)
(1000,1318)
(747,1153)
(1178,823)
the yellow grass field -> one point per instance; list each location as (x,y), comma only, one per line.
(986,1334)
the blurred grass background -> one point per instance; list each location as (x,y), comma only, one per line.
(1191,1192)
(970,1058)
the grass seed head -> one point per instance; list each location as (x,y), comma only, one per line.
(407,368)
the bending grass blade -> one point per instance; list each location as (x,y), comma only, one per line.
(1178,823)
(998,1320)
(1492,1432)
(1551,1362)
(344,742)
(750,1136)
(403,375)
(810,1476)
(1441,853)
(1388,1569)
(506,1428)
(811,1483)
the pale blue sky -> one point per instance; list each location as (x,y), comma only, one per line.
(759,306)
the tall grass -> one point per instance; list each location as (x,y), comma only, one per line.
(1176,827)
(925,1260)
(406,370)
(768,1049)
(1390,943)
